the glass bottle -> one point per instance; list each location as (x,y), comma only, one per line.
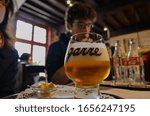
(119,64)
(135,64)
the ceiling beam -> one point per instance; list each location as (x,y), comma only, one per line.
(58,4)
(46,8)
(114,23)
(35,9)
(63,2)
(124,17)
(34,14)
(118,5)
(132,28)
(21,15)
(114,6)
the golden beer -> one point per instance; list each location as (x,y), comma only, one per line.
(87,64)
(87,72)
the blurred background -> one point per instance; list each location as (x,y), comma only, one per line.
(40,22)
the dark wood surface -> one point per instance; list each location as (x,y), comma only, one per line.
(29,72)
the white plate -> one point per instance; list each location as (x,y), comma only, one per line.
(63,91)
(60,92)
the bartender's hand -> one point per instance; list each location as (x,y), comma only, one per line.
(60,77)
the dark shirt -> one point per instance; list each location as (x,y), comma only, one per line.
(56,55)
(8,70)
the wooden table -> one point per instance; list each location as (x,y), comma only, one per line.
(126,92)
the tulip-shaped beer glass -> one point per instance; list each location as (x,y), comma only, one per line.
(87,64)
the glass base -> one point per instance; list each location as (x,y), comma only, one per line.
(87,93)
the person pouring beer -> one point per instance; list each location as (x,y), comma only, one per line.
(78,18)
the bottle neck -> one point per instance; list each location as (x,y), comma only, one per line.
(118,50)
(133,50)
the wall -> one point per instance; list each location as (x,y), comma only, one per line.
(144,37)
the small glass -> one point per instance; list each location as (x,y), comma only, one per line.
(87,64)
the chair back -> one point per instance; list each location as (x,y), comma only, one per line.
(29,72)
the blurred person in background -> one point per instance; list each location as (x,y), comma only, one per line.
(78,18)
(25,59)
(8,54)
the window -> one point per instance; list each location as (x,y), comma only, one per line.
(38,54)
(24,30)
(23,48)
(39,35)
(31,39)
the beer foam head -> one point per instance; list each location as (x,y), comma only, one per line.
(87,51)
(87,45)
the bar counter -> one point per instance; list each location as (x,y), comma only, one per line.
(125,91)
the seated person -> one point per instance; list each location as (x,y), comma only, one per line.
(79,18)
(28,73)
(8,54)
(25,59)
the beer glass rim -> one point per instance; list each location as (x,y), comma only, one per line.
(91,33)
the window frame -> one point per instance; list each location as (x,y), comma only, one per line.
(32,42)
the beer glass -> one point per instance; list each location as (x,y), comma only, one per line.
(87,64)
